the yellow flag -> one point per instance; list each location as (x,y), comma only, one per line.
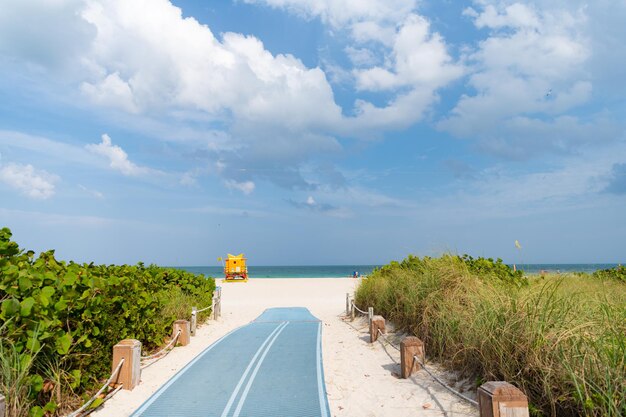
(517,245)
(219,259)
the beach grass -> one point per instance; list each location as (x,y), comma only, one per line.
(559,338)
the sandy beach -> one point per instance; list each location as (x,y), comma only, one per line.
(361,378)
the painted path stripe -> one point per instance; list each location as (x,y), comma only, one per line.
(256,369)
(320,373)
(161,390)
(263,369)
(245,374)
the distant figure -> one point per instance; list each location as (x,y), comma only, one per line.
(355,274)
(549,93)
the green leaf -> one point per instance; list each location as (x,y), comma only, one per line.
(24,283)
(26,306)
(97,403)
(10,307)
(36,383)
(48,291)
(60,305)
(36,412)
(76,375)
(63,343)
(50,407)
(69,279)
(45,301)
(25,361)
(33,344)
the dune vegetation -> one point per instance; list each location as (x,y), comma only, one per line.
(59,321)
(561,338)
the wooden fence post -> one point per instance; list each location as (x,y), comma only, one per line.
(409,347)
(219,301)
(129,374)
(377,323)
(185,330)
(2,405)
(352,310)
(194,320)
(370,315)
(347,303)
(501,399)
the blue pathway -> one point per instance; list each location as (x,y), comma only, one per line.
(271,367)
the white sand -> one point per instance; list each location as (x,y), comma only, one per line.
(361,379)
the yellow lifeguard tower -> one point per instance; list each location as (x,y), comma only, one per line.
(235,269)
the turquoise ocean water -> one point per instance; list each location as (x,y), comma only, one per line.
(335,271)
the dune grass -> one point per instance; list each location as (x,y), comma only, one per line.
(560,338)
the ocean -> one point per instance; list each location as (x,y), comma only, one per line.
(339,271)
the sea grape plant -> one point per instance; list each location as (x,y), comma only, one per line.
(74,313)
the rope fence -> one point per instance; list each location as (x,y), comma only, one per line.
(130,352)
(100,391)
(492,395)
(358,309)
(415,358)
(443,384)
(354,308)
(384,335)
(204,309)
(161,353)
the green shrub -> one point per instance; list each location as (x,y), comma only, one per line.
(72,314)
(618,273)
(561,338)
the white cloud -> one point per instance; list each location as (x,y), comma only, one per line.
(36,184)
(532,62)
(418,58)
(516,15)
(361,56)
(246,187)
(111,91)
(118,158)
(156,79)
(342,13)
(394,50)
(137,66)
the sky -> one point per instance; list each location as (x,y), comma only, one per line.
(305,132)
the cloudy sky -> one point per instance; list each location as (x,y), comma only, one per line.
(314,131)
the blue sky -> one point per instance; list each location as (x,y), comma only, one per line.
(314,132)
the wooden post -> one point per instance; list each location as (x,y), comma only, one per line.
(194,322)
(3,405)
(377,323)
(409,347)
(347,303)
(219,299)
(370,315)
(352,310)
(501,399)
(130,373)
(214,307)
(185,330)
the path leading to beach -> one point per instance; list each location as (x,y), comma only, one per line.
(270,367)
(361,379)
